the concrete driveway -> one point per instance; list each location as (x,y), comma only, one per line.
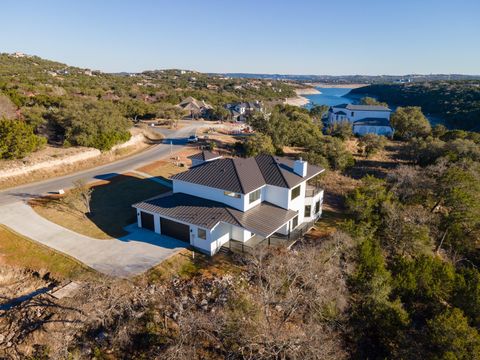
(130,255)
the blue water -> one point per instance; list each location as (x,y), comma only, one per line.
(329,96)
(334,96)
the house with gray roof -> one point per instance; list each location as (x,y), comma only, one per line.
(195,108)
(365,119)
(239,111)
(235,201)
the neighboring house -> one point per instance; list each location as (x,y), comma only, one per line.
(365,119)
(225,201)
(240,110)
(195,108)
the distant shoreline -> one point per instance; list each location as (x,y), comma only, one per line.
(337,86)
(307,91)
(299,101)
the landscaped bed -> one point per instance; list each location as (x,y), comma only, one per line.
(110,206)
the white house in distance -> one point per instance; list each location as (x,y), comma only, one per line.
(240,110)
(235,202)
(365,119)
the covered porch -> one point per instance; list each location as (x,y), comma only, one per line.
(276,239)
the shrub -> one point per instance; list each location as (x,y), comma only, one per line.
(17,139)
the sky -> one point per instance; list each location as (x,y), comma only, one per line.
(333,37)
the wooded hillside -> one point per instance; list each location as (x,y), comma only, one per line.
(458,102)
(73,106)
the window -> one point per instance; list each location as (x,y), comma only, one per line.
(295,192)
(202,234)
(232,194)
(254,196)
(317,207)
(353,113)
(308,211)
(295,222)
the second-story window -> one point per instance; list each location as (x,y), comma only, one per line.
(254,196)
(232,194)
(295,193)
(308,210)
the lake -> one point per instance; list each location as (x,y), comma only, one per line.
(329,96)
(336,96)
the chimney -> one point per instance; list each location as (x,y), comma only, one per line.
(300,167)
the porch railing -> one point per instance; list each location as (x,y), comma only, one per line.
(273,240)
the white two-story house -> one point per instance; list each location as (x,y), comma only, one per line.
(239,111)
(236,200)
(365,119)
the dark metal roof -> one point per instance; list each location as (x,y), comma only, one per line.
(372,122)
(264,219)
(246,175)
(362,107)
(205,155)
(278,171)
(236,175)
(340,113)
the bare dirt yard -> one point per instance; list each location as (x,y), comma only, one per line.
(179,162)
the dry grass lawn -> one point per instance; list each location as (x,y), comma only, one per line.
(164,168)
(19,252)
(111,207)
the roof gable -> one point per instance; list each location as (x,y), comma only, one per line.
(244,175)
(354,107)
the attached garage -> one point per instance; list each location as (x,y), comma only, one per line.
(175,229)
(147,221)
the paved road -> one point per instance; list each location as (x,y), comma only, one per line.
(130,255)
(177,138)
(126,256)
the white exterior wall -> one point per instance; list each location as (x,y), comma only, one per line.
(277,195)
(216,237)
(298,204)
(206,192)
(246,203)
(209,193)
(312,201)
(240,234)
(379,130)
(357,115)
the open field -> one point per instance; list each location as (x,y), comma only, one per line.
(110,206)
(17,251)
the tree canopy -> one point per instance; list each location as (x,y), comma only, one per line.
(409,122)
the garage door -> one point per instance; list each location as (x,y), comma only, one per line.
(175,229)
(147,221)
